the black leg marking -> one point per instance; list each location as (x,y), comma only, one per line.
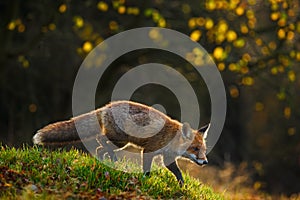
(175,170)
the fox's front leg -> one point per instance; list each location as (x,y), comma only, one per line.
(106,146)
(171,164)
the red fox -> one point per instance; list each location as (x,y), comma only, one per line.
(123,122)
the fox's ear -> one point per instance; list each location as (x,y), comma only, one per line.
(187,131)
(203,130)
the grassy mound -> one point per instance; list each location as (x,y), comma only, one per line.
(35,173)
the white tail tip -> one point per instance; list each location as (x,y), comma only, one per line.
(37,138)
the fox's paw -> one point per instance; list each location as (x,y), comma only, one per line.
(147,174)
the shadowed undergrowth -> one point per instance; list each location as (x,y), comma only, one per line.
(35,173)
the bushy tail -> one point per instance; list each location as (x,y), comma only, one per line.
(57,134)
(64,133)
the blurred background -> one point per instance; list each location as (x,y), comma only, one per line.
(255,45)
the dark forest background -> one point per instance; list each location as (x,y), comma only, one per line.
(254,43)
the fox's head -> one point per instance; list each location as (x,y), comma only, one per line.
(197,149)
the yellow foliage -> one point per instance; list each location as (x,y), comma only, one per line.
(11,26)
(244,28)
(292,27)
(244,70)
(258,42)
(285,5)
(281,95)
(232,67)
(234,92)
(232,5)
(251,23)
(195,35)
(222,27)
(231,36)
(192,23)
(250,14)
(156,16)
(15,23)
(247,80)
(252,2)
(281,33)
(246,57)
(239,43)
(102,6)
(25,63)
(87,46)
(79,51)
(274,6)
(282,22)
(259,106)
(274,70)
(287,112)
(62,8)
(218,53)
(272,45)
(275,16)
(162,22)
(21,58)
(200,21)
(265,50)
(78,21)
(209,23)
(210,5)
(221,66)
(223,4)
(290,35)
(186,9)
(235,2)
(113,25)
(291,131)
(52,27)
(280,69)
(257,185)
(292,76)
(121,9)
(21,28)
(239,10)
(298,56)
(220,37)
(291,13)
(293,54)
(133,11)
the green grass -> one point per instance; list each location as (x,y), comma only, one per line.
(36,173)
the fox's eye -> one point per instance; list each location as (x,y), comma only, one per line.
(196,149)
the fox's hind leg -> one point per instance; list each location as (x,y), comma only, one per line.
(147,162)
(106,146)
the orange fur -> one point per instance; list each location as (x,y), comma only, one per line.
(149,129)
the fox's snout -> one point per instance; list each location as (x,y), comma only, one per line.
(202,162)
(194,158)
